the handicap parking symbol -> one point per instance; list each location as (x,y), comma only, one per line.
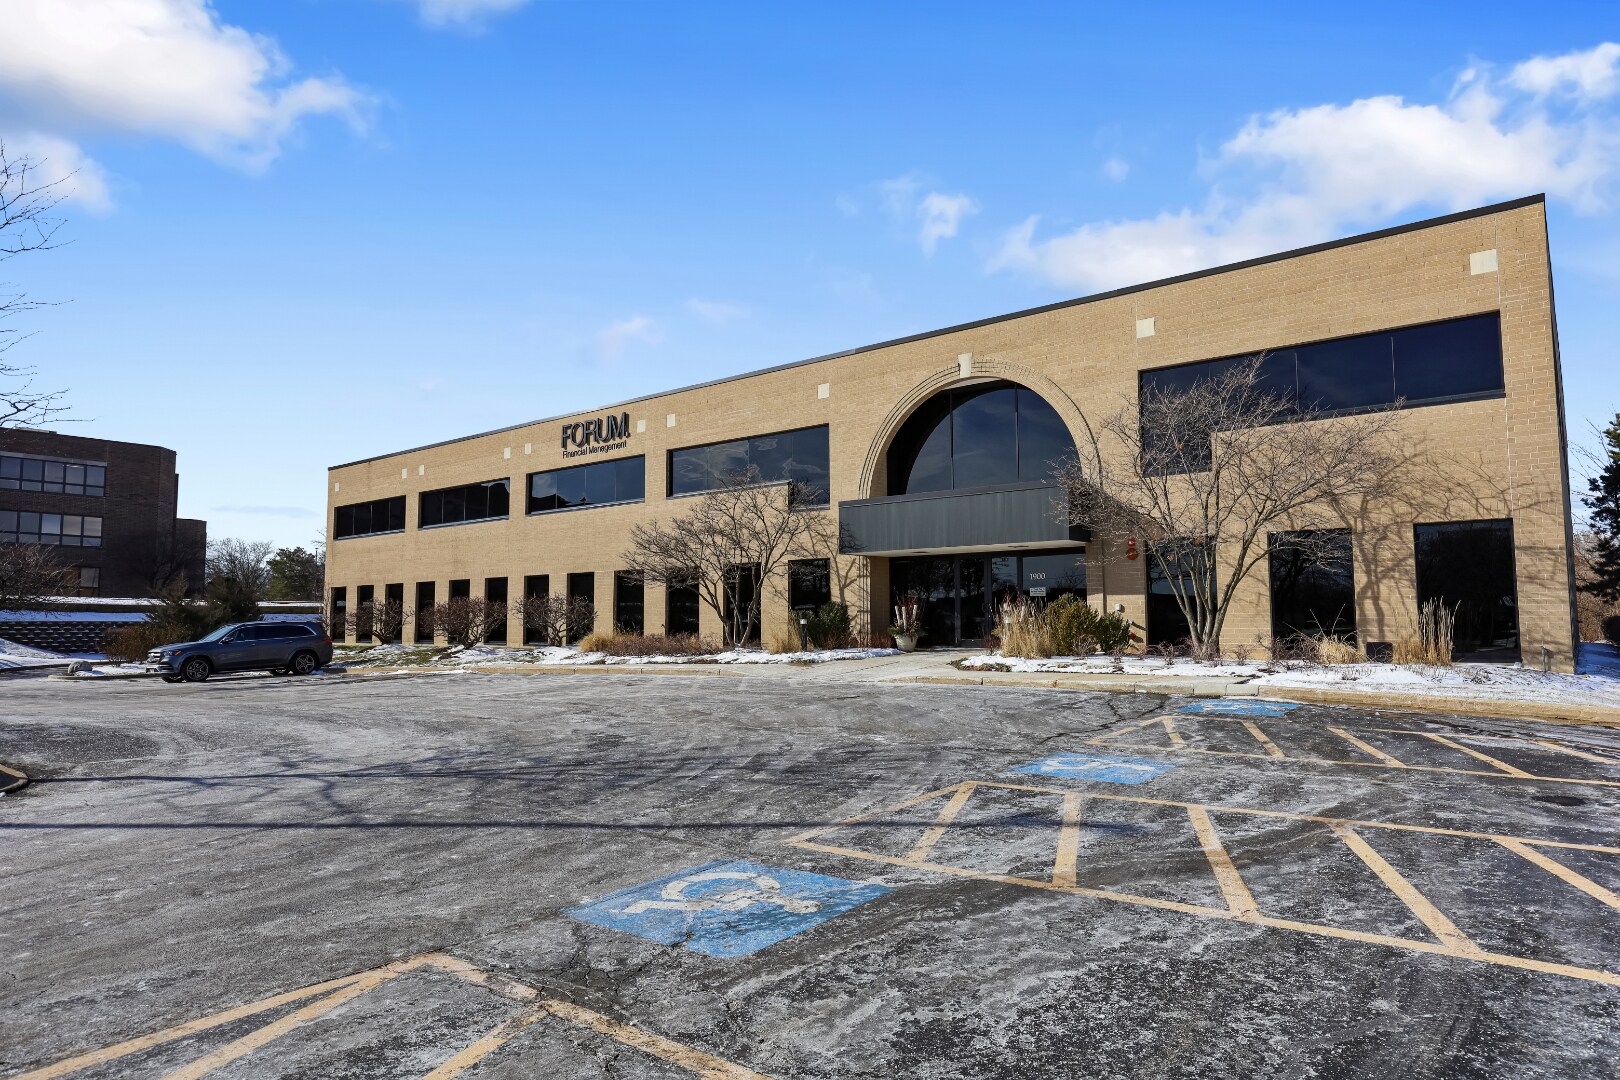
(1227,707)
(1105,767)
(727,909)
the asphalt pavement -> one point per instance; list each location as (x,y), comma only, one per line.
(644,876)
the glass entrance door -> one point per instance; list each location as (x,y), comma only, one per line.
(960,594)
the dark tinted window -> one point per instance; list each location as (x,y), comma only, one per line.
(1459,358)
(19,473)
(989,435)
(1468,566)
(681,608)
(582,587)
(597,484)
(468,502)
(629,594)
(369,518)
(809,583)
(66,530)
(799,457)
(423,622)
(1427,364)
(1052,576)
(536,588)
(495,593)
(460,588)
(1313,588)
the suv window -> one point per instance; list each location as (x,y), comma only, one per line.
(283,630)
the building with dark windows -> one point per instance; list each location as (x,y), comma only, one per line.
(934,454)
(105,508)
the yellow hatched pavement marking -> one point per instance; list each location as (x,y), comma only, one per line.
(1501,770)
(1471,752)
(1558,869)
(941,823)
(1260,737)
(1431,916)
(1369,748)
(339,991)
(1068,847)
(1239,900)
(1240,905)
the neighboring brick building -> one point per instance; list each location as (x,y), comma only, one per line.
(928,450)
(105,508)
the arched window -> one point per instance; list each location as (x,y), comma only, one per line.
(989,434)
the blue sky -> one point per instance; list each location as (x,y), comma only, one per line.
(310,231)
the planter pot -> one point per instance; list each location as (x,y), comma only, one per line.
(905,642)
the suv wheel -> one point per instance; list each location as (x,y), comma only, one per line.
(196,669)
(304,663)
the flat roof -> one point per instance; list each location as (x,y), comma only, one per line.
(1360,238)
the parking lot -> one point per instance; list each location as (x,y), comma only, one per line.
(650,876)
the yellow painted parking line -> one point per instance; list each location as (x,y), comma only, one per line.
(257,1038)
(1176,739)
(485,1046)
(1471,752)
(1500,769)
(1553,866)
(1264,740)
(941,823)
(336,992)
(180,1031)
(1429,915)
(1068,845)
(1239,900)
(1369,748)
(1240,905)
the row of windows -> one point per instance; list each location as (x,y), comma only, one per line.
(601,483)
(61,477)
(469,502)
(67,530)
(1454,360)
(988,435)
(797,457)
(369,518)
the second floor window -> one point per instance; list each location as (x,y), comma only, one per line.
(59,477)
(483,501)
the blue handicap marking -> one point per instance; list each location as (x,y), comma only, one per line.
(1229,707)
(727,908)
(1113,770)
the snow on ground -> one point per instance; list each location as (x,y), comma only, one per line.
(1596,683)
(14,655)
(73,616)
(479,655)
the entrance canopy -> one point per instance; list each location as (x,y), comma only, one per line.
(942,522)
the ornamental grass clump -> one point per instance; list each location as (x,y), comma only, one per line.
(1068,626)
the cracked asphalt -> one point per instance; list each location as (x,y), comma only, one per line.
(186,850)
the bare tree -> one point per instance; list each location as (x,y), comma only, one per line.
(468,620)
(741,526)
(382,617)
(26,224)
(30,576)
(558,618)
(1206,473)
(238,576)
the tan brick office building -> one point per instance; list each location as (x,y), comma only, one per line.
(933,450)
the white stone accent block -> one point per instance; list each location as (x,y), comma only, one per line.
(1482,262)
(824,390)
(1145,328)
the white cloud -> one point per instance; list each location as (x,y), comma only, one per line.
(718,312)
(1299,176)
(936,214)
(464,13)
(1116,169)
(612,340)
(168,68)
(57,161)
(941,214)
(1593,74)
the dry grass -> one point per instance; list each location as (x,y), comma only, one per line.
(647,645)
(782,643)
(1331,650)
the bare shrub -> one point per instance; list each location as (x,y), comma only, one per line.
(131,642)
(30,575)
(648,644)
(383,619)
(559,619)
(468,620)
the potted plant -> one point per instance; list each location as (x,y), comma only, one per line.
(907,617)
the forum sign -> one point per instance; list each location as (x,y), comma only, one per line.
(599,435)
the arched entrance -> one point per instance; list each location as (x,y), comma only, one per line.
(970,516)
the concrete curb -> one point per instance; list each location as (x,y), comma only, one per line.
(18,781)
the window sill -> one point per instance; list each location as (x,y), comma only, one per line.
(469,521)
(362,536)
(583,506)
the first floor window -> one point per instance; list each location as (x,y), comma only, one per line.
(89,580)
(1468,567)
(536,588)
(809,584)
(495,593)
(582,587)
(742,588)
(1313,586)
(629,593)
(364,595)
(681,604)
(423,630)
(1172,577)
(338,614)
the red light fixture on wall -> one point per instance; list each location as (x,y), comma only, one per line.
(1130,548)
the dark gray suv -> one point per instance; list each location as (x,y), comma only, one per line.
(279,647)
